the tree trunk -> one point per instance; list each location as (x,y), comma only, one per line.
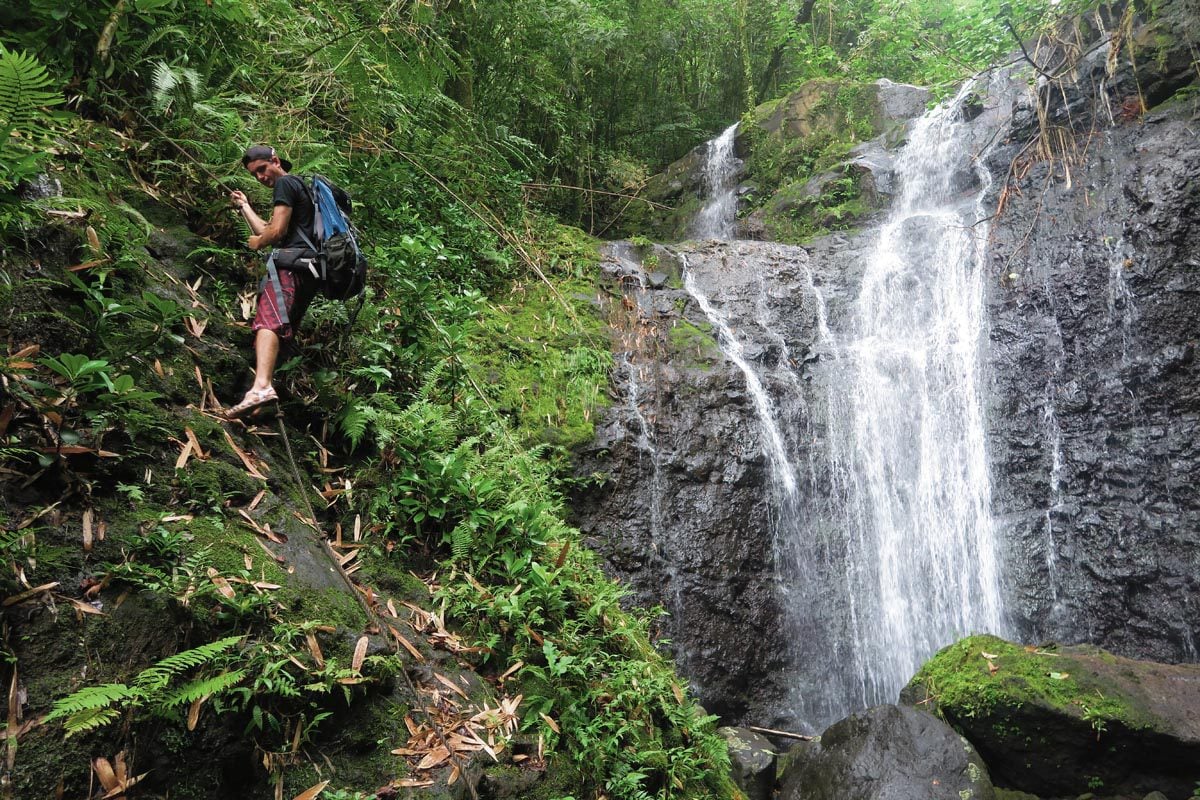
(803,17)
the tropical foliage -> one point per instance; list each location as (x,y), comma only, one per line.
(468,134)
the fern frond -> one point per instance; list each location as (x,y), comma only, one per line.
(23,85)
(462,538)
(208,687)
(87,720)
(157,35)
(92,698)
(158,676)
(171,84)
(353,422)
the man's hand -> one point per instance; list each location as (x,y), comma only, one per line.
(237,199)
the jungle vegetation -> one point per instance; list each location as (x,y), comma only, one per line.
(484,143)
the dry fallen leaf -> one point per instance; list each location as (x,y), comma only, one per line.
(194,713)
(411,783)
(241,454)
(195,326)
(88,264)
(89,517)
(315,649)
(360,654)
(406,644)
(436,757)
(36,590)
(449,684)
(82,607)
(105,774)
(312,791)
(222,585)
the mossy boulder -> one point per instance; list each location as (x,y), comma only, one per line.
(1067,720)
(752,758)
(887,752)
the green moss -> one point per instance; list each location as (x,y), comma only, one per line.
(228,544)
(693,345)
(967,683)
(545,367)
(838,115)
(328,605)
(213,484)
(796,214)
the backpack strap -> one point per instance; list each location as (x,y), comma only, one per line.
(272,279)
(318,230)
(318,222)
(320,256)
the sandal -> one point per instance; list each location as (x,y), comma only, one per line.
(253,401)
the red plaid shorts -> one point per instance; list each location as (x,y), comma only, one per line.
(298,290)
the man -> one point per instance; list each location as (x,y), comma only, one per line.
(289,286)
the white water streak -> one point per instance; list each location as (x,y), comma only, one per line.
(912,443)
(718,218)
(776,450)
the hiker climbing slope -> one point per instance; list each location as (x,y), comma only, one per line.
(290,283)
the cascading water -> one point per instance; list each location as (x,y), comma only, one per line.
(869,417)
(718,217)
(773,442)
(907,450)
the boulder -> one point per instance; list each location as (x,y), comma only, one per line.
(1066,720)
(887,753)
(752,759)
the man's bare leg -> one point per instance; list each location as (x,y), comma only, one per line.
(266,353)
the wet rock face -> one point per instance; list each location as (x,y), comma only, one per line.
(887,752)
(684,517)
(1095,403)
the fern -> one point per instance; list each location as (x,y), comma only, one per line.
(353,421)
(207,687)
(91,699)
(462,538)
(159,676)
(169,85)
(94,706)
(90,718)
(23,85)
(23,93)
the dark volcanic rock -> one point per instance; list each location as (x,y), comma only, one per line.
(684,519)
(1062,721)
(753,761)
(1095,403)
(887,753)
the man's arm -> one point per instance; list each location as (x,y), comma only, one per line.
(271,232)
(238,200)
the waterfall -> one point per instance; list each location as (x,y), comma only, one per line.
(776,450)
(718,217)
(878,495)
(907,445)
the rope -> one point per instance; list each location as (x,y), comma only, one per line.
(370,613)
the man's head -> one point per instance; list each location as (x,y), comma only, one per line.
(262,162)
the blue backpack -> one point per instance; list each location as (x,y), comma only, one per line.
(341,265)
